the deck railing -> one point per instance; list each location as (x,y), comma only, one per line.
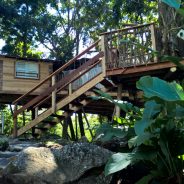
(131,46)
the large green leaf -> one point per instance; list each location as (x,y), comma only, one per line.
(151,109)
(155,87)
(138,140)
(145,153)
(106,133)
(173,3)
(118,162)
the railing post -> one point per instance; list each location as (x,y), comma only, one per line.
(54,95)
(153,40)
(104,43)
(15,122)
(36,112)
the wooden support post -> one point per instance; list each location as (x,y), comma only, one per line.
(90,131)
(23,118)
(119,95)
(33,117)
(36,113)
(65,129)
(104,44)
(11,109)
(15,122)
(76,127)
(81,126)
(54,95)
(71,128)
(153,40)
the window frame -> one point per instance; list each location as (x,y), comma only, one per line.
(27,73)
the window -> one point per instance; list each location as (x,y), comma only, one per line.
(27,70)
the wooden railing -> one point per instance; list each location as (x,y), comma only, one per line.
(49,96)
(130,46)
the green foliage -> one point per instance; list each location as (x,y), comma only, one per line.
(156,88)
(118,162)
(3,143)
(159,134)
(106,132)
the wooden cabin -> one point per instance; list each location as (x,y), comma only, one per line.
(19,75)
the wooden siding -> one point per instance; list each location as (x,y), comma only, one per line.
(14,85)
(1,74)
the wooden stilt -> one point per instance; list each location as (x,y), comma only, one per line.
(65,129)
(71,128)
(90,131)
(81,126)
(15,122)
(33,117)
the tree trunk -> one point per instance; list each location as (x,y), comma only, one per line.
(169,25)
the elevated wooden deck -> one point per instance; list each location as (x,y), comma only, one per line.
(122,57)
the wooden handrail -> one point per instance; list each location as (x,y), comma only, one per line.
(57,71)
(126,29)
(60,84)
(67,83)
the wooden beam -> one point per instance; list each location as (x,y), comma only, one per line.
(15,134)
(81,126)
(142,68)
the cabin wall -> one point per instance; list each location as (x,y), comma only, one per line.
(13,85)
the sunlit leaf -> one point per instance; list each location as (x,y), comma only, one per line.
(155,87)
(118,162)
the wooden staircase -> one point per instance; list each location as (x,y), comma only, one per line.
(116,54)
(74,100)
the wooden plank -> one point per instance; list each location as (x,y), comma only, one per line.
(141,68)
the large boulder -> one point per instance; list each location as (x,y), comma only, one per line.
(55,166)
